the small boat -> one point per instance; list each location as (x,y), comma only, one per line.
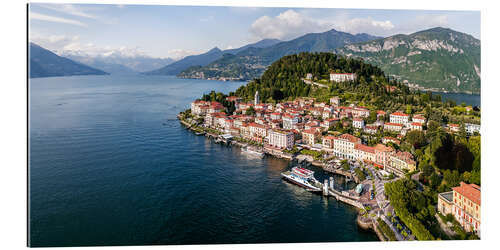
(253,152)
(302,177)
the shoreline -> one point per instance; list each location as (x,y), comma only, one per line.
(338,196)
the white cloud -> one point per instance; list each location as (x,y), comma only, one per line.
(72,45)
(291,24)
(178,54)
(69,9)
(42,17)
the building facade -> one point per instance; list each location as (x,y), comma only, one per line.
(281,139)
(464,203)
(342,77)
(398,117)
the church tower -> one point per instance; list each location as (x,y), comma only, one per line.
(257,98)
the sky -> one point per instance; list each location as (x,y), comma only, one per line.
(177,31)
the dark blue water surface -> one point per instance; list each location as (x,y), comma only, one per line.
(473,100)
(110,165)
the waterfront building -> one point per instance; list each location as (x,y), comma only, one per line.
(344,146)
(245,131)
(257,130)
(364,153)
(328,142)
(471,128)
(215,107)
(358,123)
(465,206)
(400,162)
(310,136)
(342,77)
(396,127)
(399,117)
(281,139)
(256,98)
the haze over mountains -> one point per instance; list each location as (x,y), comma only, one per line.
(117,63)
(208,57)
(44,63)
(438,59)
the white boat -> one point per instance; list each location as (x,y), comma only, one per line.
(253,152)
(302,177)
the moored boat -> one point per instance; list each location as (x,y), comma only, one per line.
(302,177)
(253,152)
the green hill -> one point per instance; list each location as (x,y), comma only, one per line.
(252,62)
(439,59)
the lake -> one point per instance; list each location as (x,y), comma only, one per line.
(109,164)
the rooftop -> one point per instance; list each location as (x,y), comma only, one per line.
(399,114)
(470,191)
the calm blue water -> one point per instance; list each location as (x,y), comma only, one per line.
(111,165)
(474,100)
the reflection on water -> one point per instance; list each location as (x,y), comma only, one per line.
(114,167)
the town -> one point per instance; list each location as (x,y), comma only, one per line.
(308,130)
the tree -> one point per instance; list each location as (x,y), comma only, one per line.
(435,181)
(408,109)
(250,111)
(416,138)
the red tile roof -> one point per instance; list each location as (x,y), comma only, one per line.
(350,138)
(470,191)
(393,124)
(399,114)
(364,148)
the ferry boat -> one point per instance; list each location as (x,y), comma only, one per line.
(253,152)
(302,177)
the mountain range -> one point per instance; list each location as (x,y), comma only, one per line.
(44,63)
(207,57)
(252,61)
(117,63)
(437,59)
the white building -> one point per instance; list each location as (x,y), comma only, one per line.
(393,126)
(281,139)
(289,121)
(358,123)
(256,98)
(342,77)
(398,117)
(471,128)
(343,146)
(416,126)
(418,118)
